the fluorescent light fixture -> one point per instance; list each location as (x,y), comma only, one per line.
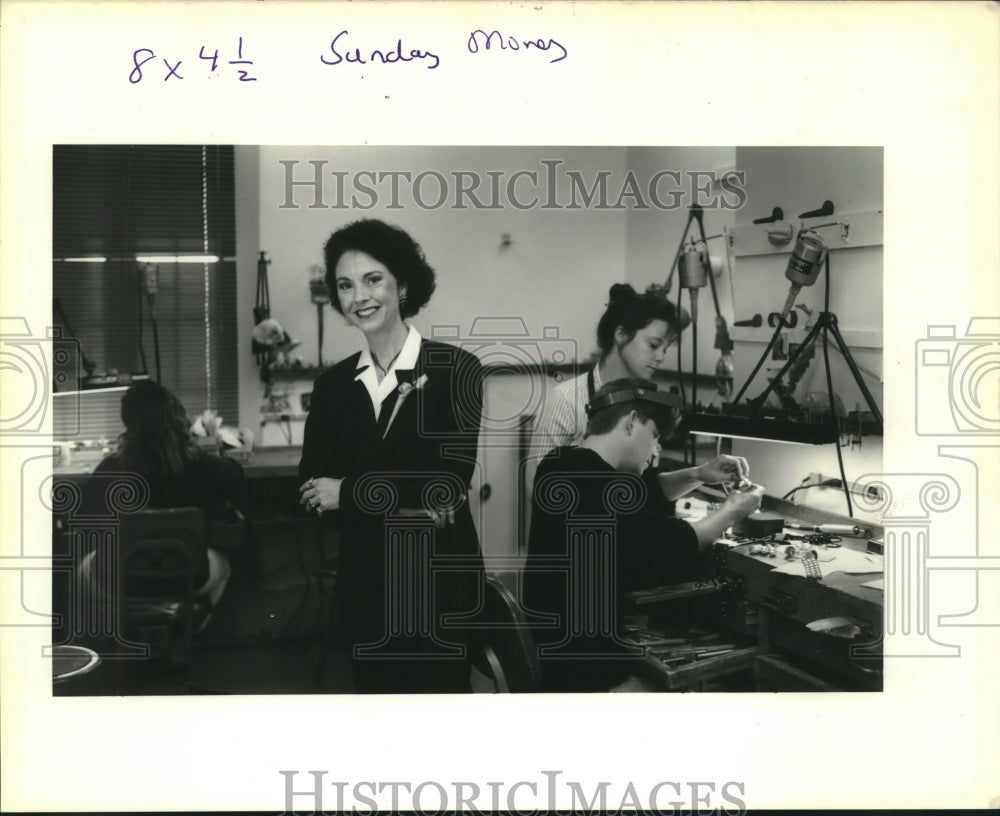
(177,258)
(771,430)
(146,259)
(749,438)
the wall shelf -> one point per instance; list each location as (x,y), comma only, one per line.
(855,338)
(291,373)
(270,417)
(864,229)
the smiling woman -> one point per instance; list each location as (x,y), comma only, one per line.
(388,453)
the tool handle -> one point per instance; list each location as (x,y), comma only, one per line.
(840,529)
(831,529)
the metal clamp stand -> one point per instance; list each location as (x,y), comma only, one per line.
(695,214)
(826,322)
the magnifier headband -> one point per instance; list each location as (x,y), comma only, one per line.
(631,394)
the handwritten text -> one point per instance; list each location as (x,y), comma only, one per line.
(391,56)
(142,56)
(505,43)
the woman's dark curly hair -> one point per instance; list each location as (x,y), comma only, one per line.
(631,311)
(388,245)
(157,440)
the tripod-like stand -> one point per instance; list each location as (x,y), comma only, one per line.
(693,278)
(826,323)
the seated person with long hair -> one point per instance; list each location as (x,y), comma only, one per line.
(157,447)
(600,529)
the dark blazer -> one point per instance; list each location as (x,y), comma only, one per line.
(424,459)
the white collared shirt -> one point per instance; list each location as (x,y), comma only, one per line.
(406,360)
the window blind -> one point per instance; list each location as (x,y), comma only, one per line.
(114,204)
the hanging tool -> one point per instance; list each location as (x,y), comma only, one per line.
(262,306)
(319,292)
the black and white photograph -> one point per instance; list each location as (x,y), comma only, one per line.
(498,407)
(447,420)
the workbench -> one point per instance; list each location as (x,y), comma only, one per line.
(758,613)
(791,656)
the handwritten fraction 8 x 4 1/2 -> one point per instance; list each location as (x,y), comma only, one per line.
(172,70)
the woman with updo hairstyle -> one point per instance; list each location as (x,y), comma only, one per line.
(157,451)
(388,455)
(633,336)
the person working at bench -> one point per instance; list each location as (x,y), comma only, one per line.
(633,336)
(161,463)
(601,527)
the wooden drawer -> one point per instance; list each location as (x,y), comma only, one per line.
(778,674)
(691,675)
(838,656)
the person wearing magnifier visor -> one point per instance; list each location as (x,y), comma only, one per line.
(633,336)
(600,508)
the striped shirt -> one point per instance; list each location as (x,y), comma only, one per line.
(564,417)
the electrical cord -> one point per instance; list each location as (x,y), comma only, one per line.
(680,378)
(142,350)
(825,483)
(305,595)
(324,609)
(156,337)
(829,389)
(837,483)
